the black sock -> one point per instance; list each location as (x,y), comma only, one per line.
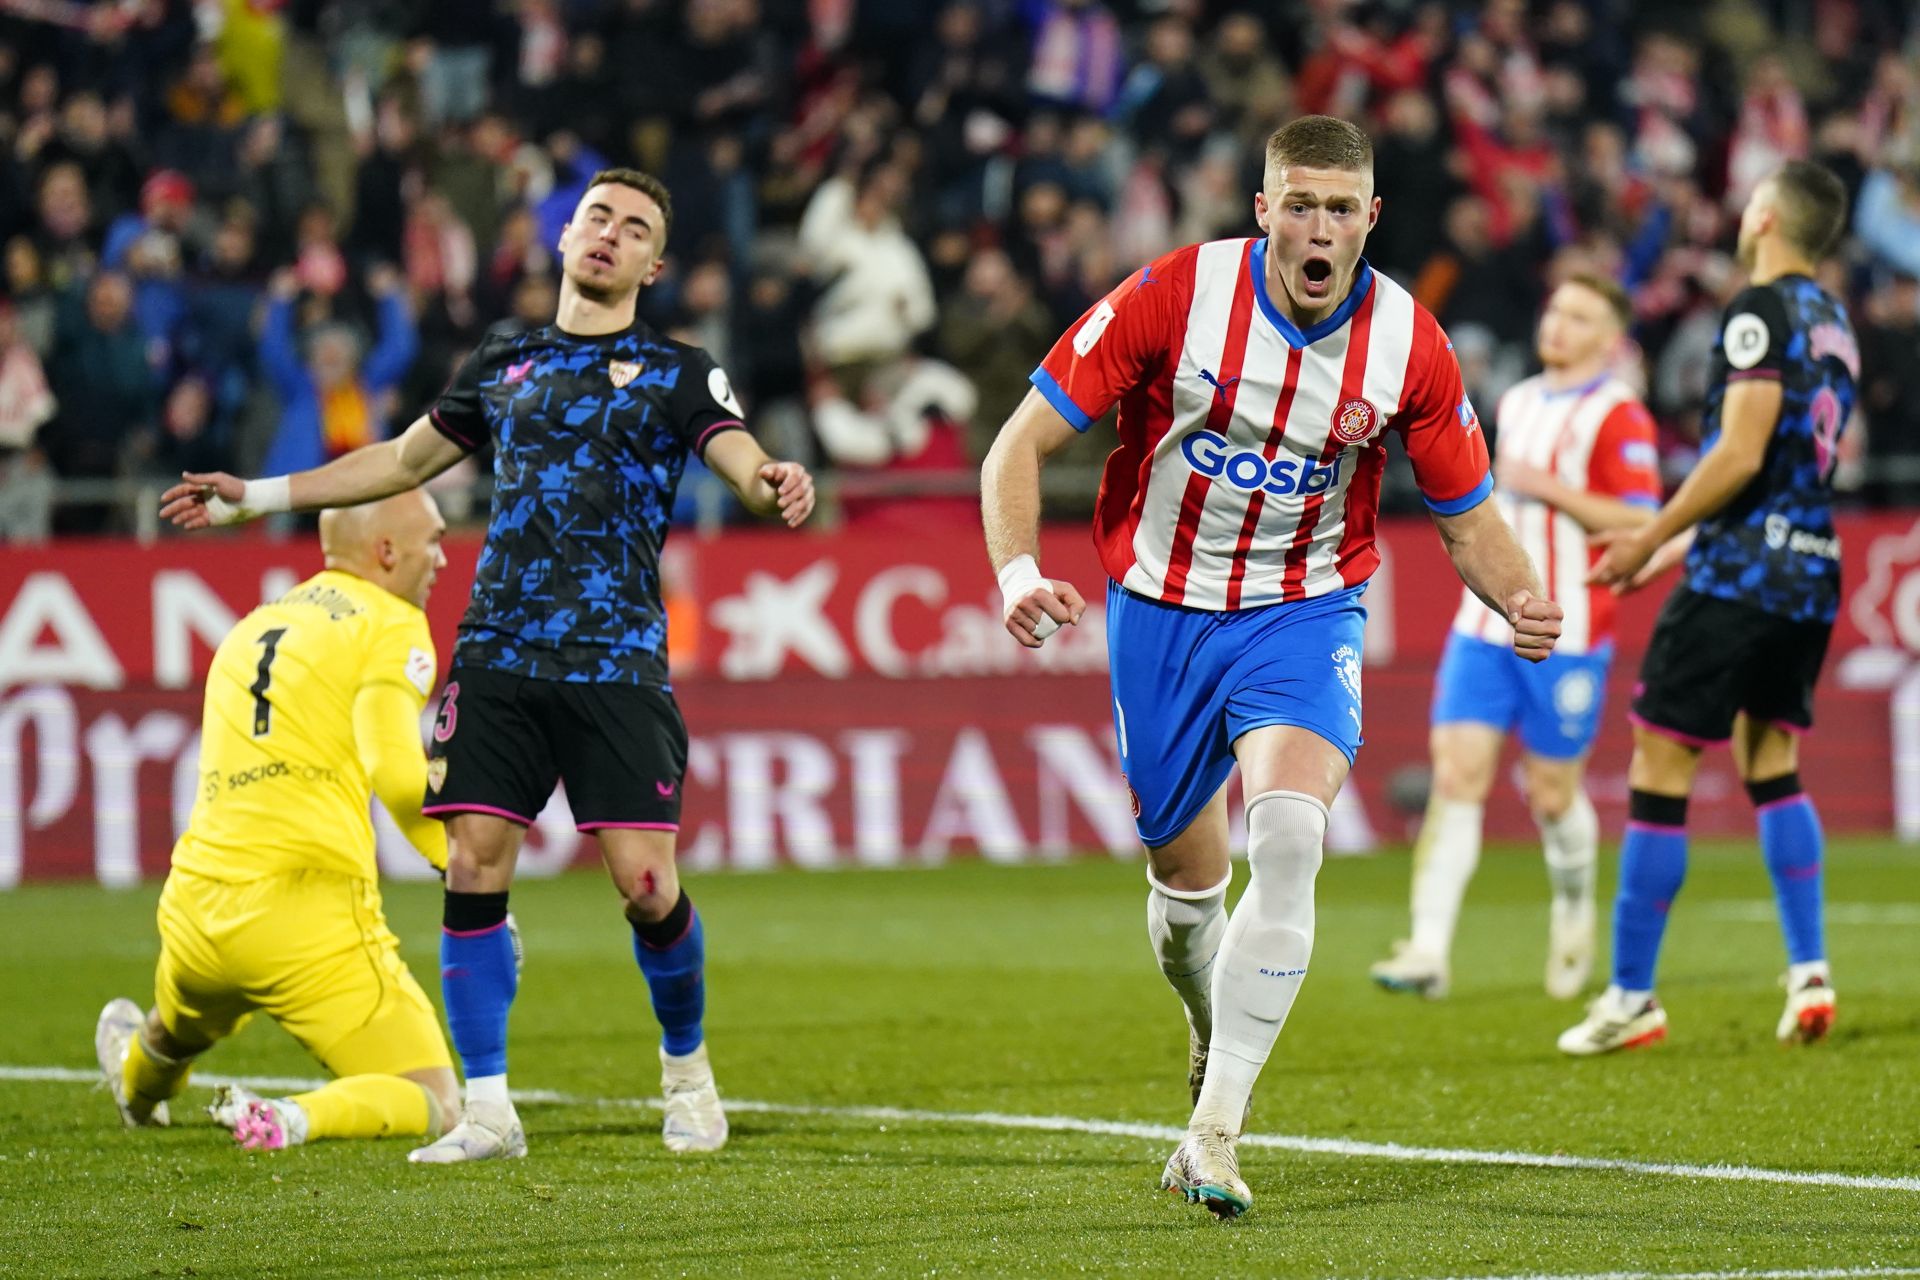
(473,912)
(667,930)
(1661,811)
(1784,787)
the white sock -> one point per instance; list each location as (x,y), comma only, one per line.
(1799,974)
(1185,927)
(1264,956)
(1571,843)
(489,1089)
(1444,858)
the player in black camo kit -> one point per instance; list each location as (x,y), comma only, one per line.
(1741,641)
(560,670)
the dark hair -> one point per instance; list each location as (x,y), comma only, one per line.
(1813,206)
(1609,289)
(646,184)
(1320,142)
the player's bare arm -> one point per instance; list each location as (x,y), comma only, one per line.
(764,486)
(1495,568)
(1035,606)
(1594,512)
(373,471)
(1748,417)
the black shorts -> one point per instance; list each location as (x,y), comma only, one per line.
(501,741)
(1710,659)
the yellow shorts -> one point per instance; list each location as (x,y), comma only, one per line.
(310,949)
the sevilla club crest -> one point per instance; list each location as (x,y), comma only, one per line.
(1354,421)
(623,371)
(437,773)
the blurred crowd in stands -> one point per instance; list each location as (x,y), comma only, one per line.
(253,234)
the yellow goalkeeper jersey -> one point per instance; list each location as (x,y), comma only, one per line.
(311,702)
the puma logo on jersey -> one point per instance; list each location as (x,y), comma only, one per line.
(515,372)
(1219,387)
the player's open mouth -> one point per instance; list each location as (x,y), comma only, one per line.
(1319,277)
(600,256)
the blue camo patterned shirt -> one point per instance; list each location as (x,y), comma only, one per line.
(1774,546)
(590,436)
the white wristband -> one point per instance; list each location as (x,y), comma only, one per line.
(263,497)
(257,498)
(1019,576)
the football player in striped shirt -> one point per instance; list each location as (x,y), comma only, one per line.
(1256,380)
(1573,455)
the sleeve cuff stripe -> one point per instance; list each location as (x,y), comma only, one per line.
(1466,501)
(726,424)
(1743,375)
(1062,403)
(440,425)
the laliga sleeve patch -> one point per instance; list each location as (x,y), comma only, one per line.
(420,670)
(722,391)
(1745,341)
(1095,326)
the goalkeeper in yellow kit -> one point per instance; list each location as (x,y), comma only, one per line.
(272,905)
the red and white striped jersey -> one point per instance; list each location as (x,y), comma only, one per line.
(1596,437)
(1248,471)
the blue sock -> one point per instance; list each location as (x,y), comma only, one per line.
(1795,851)
(1653,864)
(673,955)
(477,979)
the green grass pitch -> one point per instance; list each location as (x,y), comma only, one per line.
(1022,992)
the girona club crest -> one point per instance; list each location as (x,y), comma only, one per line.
(622,372)
(1354,421)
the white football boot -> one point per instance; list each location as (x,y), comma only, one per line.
(1413,971)
(1569,945)
(694,1119)
(1614,1022)
(1809,1014)
(487,1131)
(120,1021)
(1205,1168)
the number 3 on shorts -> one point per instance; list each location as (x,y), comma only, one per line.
(449,712)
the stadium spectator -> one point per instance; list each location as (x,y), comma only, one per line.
(878,296)
(105,389)
(1079,55)
(26,403)
(990,332)
(1890,388)
(1075,136)
(333,401)
(32,298)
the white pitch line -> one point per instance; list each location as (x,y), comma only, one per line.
(1128,1129)
(1763,911)
(1828,1273)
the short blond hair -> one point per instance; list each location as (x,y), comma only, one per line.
(1319,142)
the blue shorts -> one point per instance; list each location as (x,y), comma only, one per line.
(1187,683)
(1554,705)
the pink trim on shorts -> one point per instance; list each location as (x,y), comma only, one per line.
(435,810)
(1797,730)
(473,933)
(626,826)
(1686,739)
